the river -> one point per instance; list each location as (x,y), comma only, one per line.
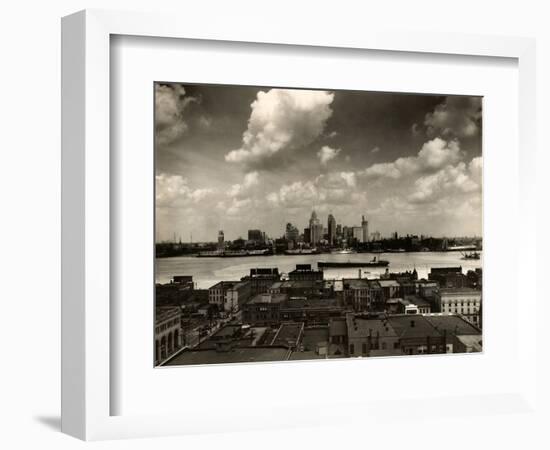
(208,271)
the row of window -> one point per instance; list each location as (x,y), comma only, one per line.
(374,346)
(167,325)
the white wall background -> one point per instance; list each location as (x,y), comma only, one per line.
(30,191)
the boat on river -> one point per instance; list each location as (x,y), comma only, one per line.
(472,255)
(373,263)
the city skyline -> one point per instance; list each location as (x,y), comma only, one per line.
(238,158)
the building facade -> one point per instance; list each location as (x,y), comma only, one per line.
(168,336)
(236,296)
(331,227)
(216,293)
(315,229)
(221,241)
(463,301)
(364,229)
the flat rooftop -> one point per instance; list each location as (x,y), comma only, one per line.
(288,333)
(389,283)
(459,291)
(235,355)
(273,298)
(301,302)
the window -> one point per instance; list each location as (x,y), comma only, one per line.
(351,349)
(364,349)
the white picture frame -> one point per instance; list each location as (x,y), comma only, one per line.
(86,215)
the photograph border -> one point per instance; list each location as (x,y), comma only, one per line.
(86,194)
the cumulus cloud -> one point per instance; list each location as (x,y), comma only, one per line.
(449,181)
(327,154)
(174,191)
(170,102)
(335,188)
(458,116)
(433,155)
(375,149)
(281,120)
(250,179)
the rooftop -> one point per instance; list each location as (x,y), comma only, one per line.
(221,284)
(360,326)
(473,342)
(235,355)
(288,334)
(452,323)
(459,291)
(268,298)
(389,283)
(412,326)
(163,313)
(240,284)
(416,300)
(299,284)
(302,302)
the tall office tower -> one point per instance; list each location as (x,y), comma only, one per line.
(291,233)
(221,244)
(256,236)
(365,227)
(331,229)
(315,229)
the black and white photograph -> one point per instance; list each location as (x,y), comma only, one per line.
(314,224)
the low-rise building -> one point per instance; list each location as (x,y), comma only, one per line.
(302,288)
(371,336)
(363,295)
(414,303)
(226,354)
(167,332)
(448,277)
(304,272)
(216,293)
(314,311)
(261,279)
(390,289)
(417,335)
(462,336)
(236,296)
(263,309)
(427,289)
(464,301)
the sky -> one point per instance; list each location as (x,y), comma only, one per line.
(235,158)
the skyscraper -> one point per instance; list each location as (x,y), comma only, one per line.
(331,229)
(221,244)
(365,227)
(256,236)
(315,229)
(291,233)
